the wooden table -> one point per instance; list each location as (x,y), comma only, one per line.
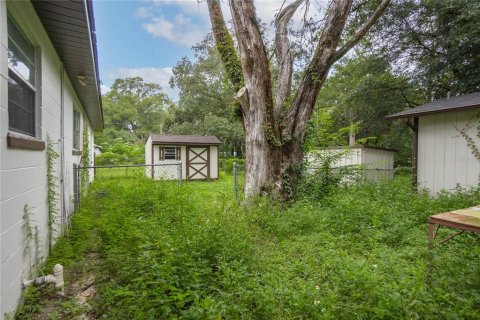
(467,219)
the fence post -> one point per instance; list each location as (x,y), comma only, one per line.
(235,192)
(179,173)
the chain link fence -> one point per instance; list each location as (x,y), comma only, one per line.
(349,174)
(238,179)
(82,175)
(357,173)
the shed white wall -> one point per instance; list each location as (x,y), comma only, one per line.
(170,172)
(346,157)
(148,157)
(378,162)
(349,157)
(444,159)
(23,172)
(214,162)
(184,162)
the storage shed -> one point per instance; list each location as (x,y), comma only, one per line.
(442,158)
(198,155)
(373,163)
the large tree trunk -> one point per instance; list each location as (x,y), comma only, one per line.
(275,129)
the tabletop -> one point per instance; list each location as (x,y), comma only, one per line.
(467,219)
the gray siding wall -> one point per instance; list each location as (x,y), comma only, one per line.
(444,159)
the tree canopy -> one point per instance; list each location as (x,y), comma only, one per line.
(435,43)
(133,109)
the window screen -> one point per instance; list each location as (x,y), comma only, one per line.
(21,81)
(76,129)
(170,153)
(21,106)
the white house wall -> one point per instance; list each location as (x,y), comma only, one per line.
(444,159)
(23,172)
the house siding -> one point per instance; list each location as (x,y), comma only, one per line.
(23,173)
(444,159)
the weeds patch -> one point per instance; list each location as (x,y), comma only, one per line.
(192,252)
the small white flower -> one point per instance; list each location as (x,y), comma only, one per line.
(316,302)
(317,287)
(374,265)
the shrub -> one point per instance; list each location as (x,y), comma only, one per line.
(227,164)
(121,153)
(317,182)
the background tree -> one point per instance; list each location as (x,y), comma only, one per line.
(435,43)
(275,118)
(132,109)
(357,97)
(136,108)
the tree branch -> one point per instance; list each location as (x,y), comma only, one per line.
(224,44)
(317,70)
(284,54)
(254,62)
(362,31)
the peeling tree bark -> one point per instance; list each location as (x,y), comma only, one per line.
(284,54)
(274,131)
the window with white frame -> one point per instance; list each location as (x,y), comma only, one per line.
(76,129)
(21,80)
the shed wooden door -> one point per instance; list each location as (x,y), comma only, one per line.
(198,162)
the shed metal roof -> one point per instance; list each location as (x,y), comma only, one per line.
(70,26)
(467,101)
(184,139)
(359,146)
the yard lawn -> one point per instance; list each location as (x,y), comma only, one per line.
(140,249)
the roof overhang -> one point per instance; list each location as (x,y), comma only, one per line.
(358,146)
(184,140)
(70,26)
(458,103)
(185,143)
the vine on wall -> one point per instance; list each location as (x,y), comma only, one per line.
(52,196)
(85,162)
(31,234)
(470,141)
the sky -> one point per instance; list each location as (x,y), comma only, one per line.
(147,37)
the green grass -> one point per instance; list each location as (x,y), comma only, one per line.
(192,252)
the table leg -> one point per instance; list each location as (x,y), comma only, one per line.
(432,233)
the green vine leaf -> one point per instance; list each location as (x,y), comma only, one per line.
(52,196)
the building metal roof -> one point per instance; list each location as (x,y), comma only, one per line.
(463,102)
(184,139)
(70,26)
(359,146)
